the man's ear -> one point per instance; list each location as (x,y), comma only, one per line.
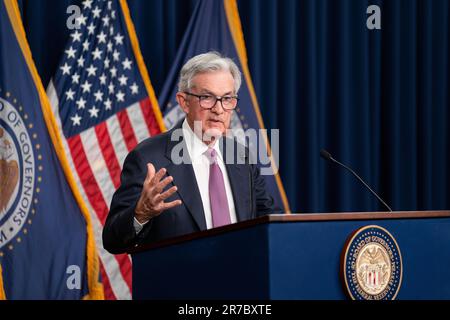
(181,99)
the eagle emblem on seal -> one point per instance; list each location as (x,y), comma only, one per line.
(9,171)
(372,264)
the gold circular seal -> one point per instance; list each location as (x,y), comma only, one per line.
(372,264)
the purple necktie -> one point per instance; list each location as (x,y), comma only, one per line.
(217,194)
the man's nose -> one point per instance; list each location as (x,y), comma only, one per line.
(218,107)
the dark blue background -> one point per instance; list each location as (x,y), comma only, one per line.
(377,100)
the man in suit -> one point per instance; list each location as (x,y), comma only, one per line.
(183,181)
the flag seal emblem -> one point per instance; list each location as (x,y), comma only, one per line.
(372,265)
(18,192)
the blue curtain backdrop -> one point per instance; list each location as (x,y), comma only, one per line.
(376,99)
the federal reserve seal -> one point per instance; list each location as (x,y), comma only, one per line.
(372,265)
(17,173)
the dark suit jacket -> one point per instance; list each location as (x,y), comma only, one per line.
(250,197)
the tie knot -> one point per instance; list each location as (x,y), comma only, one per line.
(212,155)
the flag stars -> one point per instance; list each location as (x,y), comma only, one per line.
(96,88)
(76,78)
(76,120)
(98,95)
(105,21)
(87,4)
(96,12)
(91,28)
(123,80)
(76,36)
(70,52)
(116,55)
(108,104)
(119,39)
(120,96)
(134,88)
(86,86)
(127,64)
(113,71)
(93,112)
(81,20)
(70,94)
(101,37)
(85,45)
(65,69)
(109,46)
(102,79)
(80,61)
(81,103)
(97,54)
(91,70)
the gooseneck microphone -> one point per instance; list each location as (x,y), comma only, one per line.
(327,156)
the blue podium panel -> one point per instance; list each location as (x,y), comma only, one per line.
(295,257)
(305,257)
(222,266)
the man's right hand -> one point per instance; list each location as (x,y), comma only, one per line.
(151,203)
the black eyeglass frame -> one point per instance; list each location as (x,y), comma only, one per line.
(218,98)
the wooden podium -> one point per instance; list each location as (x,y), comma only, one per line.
(292,256)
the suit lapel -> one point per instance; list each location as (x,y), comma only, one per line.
(184,178)
(238,176)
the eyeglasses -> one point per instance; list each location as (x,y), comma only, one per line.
(208,101)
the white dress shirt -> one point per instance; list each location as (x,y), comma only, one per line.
(200,162)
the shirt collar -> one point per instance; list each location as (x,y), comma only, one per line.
(195,146)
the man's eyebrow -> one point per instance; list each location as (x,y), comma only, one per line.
(206,91)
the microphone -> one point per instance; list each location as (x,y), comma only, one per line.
(327,156)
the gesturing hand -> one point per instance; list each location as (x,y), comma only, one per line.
(151,203)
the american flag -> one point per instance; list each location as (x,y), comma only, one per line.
(104,105)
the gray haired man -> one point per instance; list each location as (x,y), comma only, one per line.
(161,198)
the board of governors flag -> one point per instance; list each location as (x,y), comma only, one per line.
(215,25)
(104,103)
(47,248)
